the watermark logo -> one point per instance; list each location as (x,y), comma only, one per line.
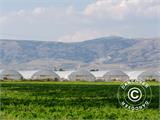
(134,95)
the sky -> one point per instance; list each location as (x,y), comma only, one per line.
(78,20)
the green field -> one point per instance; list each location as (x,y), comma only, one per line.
(69,100)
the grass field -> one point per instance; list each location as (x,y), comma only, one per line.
(69,100)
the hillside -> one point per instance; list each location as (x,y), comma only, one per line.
(101,52)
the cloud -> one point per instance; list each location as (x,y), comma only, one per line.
(86,35)
(80,36)
(3,19)
(104,8)
(43,23)
(39,10)
(121,9)
(133,18)
(70,10)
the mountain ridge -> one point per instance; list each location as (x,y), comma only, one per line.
(99,52)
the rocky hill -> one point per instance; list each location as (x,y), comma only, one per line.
(101,52)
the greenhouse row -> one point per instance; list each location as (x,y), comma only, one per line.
(80,75)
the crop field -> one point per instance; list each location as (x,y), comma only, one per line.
(69,100)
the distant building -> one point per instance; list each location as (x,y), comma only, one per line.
(149,76)
(10,75)
(115,75)
(81,75)
(45,75)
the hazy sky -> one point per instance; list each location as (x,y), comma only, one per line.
(77,20)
